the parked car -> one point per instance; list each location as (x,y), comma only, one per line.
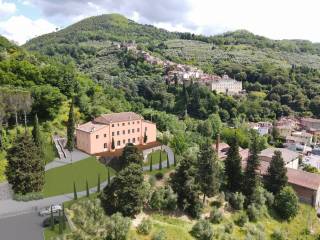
(47,211)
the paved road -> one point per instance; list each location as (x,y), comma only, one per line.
(22,227)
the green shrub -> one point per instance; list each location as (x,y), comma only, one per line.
(144,227)
(241,219)
(278,235)
(202,230)
(27,197)
(161,235)
(286,203)
(159,175)
(259,198)
(152,181)
(216,216)
(253,213)
(236,201)
(269,198)
(228,227)
(163,198)
(254,233)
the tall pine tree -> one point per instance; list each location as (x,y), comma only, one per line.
(70,128)
(25,170)
(233,170)
(184,184)
(276,177)
(251,177)
(208,175)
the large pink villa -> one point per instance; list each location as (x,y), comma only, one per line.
(120,128)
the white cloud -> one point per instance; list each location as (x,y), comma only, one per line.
(272,18)
(21,28)
(6,8)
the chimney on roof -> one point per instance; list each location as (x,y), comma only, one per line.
(217,142)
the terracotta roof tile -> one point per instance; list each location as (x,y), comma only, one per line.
(117,117)
(296,177)
(90,127)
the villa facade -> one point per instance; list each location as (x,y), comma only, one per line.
(113,131)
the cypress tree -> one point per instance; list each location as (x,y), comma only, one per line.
(98,186)
(168,163)
(70,128)
(151,162)
(276,177)
(75,195)
(87,188)
(251,177)
(185,98)
(233,171)
(64,226)
(109,179)
(25,170)
(174,160)
(184,184)
(51,219)
(160,160)
(36,132)
(112,144)
(208,175)
(60,223)
(145,137)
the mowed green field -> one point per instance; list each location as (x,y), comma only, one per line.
(156,158)
(60,180)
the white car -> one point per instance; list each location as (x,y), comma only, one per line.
(47,211)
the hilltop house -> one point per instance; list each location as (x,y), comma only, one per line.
(305,184)
(290,158)
(116,129)
(226,85)
(262,128)
(310,124)
(300,137)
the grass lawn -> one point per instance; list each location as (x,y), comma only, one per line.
(48,149)
(156,158)
(60,180)
(53,234)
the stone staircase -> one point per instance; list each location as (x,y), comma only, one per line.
(60,144)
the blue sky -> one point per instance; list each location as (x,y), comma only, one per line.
(21,20)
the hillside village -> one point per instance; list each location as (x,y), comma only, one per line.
(175,73)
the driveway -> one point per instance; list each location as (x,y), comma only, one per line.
(24,227)
(74,156)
